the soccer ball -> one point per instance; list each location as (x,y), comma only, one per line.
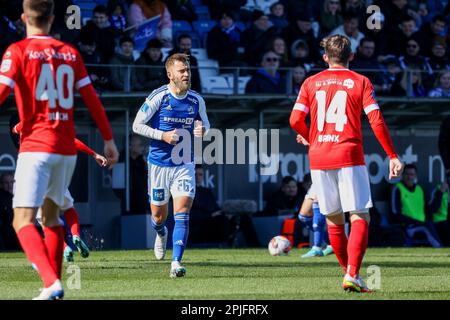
(279,246)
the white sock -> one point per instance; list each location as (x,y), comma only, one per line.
(175,264)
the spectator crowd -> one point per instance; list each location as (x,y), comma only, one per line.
(402,48)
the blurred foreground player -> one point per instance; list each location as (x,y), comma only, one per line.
(170,116)
(71,220)
(44,73)
(336,98)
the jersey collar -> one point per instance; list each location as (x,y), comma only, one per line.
(39,36)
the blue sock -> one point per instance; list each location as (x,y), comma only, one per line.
(318,225)
(308,221)
(159,228)
(180,235)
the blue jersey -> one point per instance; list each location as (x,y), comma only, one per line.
(164,111)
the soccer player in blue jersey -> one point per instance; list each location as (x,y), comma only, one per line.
(169,115)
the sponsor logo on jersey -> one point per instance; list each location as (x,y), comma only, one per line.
(158,195)
(179,120)
(349,83)
(328,138)
(7,54)
(50,53)
(6,65)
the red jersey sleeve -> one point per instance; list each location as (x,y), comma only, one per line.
(376,119)
(81,75)
(9,71)
(84,148)
(300,111)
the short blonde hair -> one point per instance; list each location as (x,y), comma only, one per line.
(338,48)
(38,12)
(181,57)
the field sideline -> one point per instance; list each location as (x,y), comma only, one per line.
(419,273)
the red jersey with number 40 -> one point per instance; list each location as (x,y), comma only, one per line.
(335,99)
(44,73)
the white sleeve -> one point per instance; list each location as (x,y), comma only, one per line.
(203,115)
(145,113)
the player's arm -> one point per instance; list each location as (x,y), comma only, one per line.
(202,126)
(380,129)
(95,107)
(299,113)
(144,115)
(9,68)
(82,147)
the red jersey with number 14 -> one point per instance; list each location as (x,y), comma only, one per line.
(44,73)
(335,99)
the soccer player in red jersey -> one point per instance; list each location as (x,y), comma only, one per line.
(71,219)
(44,73)
(335,99)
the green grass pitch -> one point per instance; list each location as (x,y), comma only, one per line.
(247,274)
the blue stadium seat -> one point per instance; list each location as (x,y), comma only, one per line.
(179,26)
(216,84)
(203,27)
(202,13)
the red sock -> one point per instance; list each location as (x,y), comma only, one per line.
(338,241)
(73,221)
(35,250)
(54,242)
(357,245)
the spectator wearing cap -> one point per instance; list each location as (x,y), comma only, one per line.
(302,30)
(267,79)
(223,42)
(278,16)
(300,54)
(365,60)
(442,86)
(439,58)
(350,29)
(330,17)
(102,31)
(255,37)
(431,32)
(99,75)
(121,62)
(153,76)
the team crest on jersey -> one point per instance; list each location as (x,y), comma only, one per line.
(349,83)
(190,110)
(158,195)
(7,54)
(6,65)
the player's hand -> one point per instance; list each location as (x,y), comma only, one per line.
(101,160)
(111,153)
(395,168)
(199,129)
(302,140)
(171,137)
